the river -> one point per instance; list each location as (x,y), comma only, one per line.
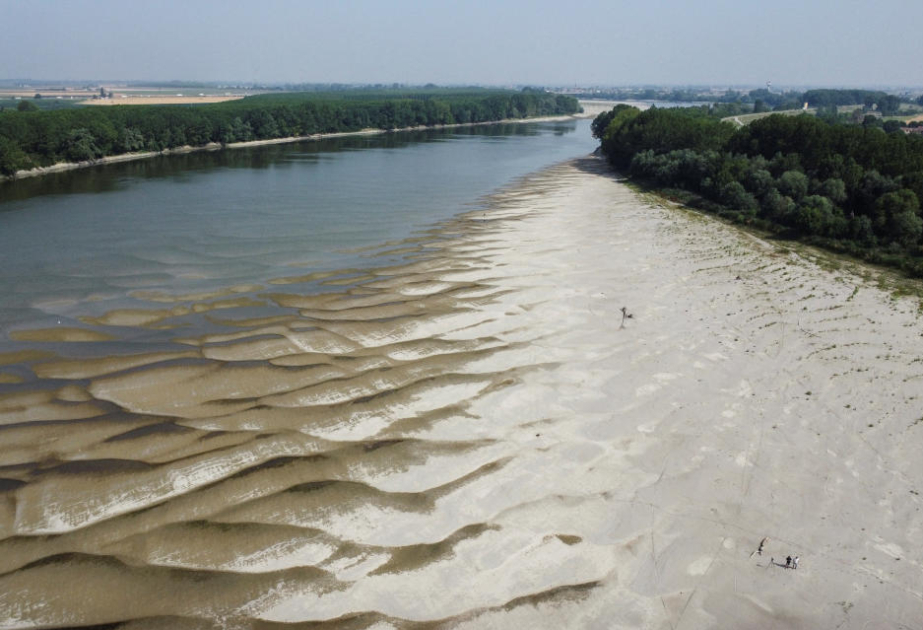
(217,371)
(81,243)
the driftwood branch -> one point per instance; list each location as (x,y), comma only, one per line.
(625,315)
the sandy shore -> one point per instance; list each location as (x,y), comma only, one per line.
(591,110)
(160,100)
(480,439)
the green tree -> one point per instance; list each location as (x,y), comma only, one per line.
(793,184)
(777,207)
(816,215)
(834,189)
(871,187)
(760,181)
(12,157)
(26,106)
(889,104)
(896,217)
(828,113)
(735,196)
(862,231)
(80,146)
(130,140)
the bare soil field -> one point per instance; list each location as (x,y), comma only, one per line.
(161,100)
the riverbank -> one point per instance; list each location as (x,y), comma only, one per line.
(745,393)
(574,407)
(214,146)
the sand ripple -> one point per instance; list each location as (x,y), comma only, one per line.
(472,438)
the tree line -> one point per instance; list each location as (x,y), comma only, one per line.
(850,188)
(887,104)
(41,138)
(764,100)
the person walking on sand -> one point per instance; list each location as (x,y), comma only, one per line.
(788,562)
(795,562)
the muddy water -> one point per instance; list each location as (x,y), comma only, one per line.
(219,377)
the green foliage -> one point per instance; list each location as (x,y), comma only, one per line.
(895,215)
(774,100)
(777,208)
(661,130)
(760,182)
(42,138)
(850,188)
(771,99)
(867,98)
(833,189)
(816,214)
(735,196)
(80,145)
(616,117)
(889,105)
(793,184)
(11,156)
(11,105)
(828,113)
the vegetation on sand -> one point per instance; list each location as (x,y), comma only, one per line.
(851,188)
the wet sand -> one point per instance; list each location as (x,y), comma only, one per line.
(478,439)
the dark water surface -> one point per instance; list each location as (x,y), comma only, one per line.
(83,242)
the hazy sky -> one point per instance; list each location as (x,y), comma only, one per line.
(541,42)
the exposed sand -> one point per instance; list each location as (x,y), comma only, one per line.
(161,100)
(473,439)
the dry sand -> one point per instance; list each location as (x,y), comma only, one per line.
(475,440)
(161,100)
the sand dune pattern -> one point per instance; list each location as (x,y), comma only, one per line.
(470,439)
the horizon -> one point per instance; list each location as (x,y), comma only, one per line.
(338,85)
(409,42)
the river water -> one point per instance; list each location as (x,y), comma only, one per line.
(85,242)
(217,369)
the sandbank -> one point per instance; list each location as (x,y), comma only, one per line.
(484,438)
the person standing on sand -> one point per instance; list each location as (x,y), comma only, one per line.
(788,562)
(795,562)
